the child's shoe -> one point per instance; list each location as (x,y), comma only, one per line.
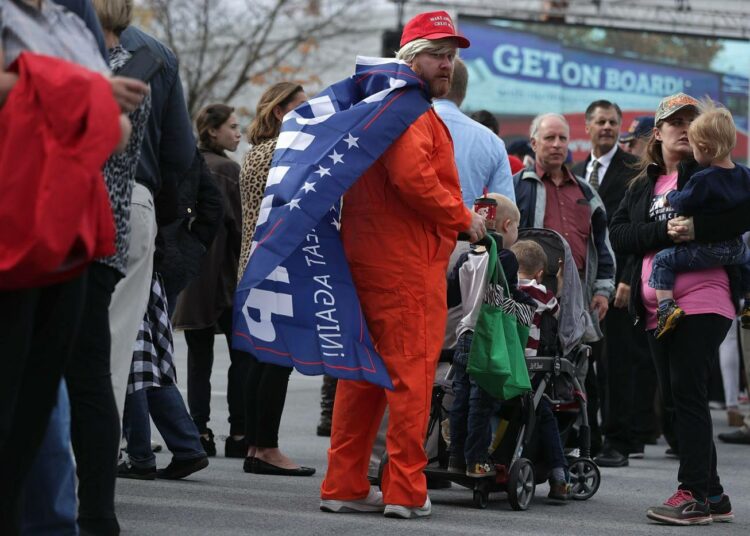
(667,318)
(745,316)
(559,490)
(480,470)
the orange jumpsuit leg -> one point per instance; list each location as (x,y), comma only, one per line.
(357,414)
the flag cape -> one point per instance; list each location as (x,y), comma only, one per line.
(296,304)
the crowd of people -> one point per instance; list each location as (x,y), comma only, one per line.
(152,229)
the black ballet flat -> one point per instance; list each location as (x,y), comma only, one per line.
(249,464)
(264,468)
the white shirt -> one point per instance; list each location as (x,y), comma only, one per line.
(605,160)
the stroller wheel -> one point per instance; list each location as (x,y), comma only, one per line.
(481,497)
(521,484)
(584,479)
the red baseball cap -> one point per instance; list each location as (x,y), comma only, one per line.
(432,25)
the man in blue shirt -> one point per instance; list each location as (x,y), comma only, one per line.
(481,158)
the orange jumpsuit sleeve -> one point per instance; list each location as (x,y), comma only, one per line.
(425,181)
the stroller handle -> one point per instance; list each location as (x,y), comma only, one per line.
(484,241)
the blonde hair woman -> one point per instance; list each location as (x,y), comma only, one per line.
(265,389)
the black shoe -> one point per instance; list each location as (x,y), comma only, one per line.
(249,464)
(672,453)
(96,526)
(265,468)
(610,457)
(208,443)
(126,470)
(235,448)
(738,437)
(324,427)
(438,483)
(181,468)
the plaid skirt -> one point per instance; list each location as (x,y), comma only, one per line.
(153,352)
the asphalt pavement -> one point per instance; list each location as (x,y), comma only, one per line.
(222,500)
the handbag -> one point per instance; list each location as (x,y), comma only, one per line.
(496,357)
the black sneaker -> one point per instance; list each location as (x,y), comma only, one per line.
(234,448)
(636,452)
(667,319)
(126,470)
(721,511)
(681,509)
(181,468)
(208,443)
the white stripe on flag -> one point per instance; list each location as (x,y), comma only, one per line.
(265,210)
(276,174)
(294,140)
(321,106)
(380,95)
(371,60)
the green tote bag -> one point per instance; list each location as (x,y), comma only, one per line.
(496,358)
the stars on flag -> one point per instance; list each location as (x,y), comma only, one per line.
(351,141)
(294,203)
(336,157)
(323,171)
(308,187)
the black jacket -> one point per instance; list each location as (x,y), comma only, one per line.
(182,243)
(620,172)
(633,233)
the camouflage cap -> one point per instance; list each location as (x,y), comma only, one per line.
(674,103)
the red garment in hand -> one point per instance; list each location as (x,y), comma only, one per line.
(58,126)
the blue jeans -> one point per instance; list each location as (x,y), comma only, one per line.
(49,493)
(471,410)
(549,436)
(694,256)
(167,409)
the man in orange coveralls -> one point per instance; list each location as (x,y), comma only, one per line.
(399,227)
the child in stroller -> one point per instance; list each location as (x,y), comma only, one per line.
(532,262)
(515,453)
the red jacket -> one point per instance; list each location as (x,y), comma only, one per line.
(58,126)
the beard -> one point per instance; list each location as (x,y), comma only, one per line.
(436,85)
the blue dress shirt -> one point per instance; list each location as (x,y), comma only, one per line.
(481,158)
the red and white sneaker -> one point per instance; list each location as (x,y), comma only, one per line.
(681,509)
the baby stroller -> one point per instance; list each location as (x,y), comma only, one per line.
(557,374)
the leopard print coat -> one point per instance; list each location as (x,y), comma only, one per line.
(253,177)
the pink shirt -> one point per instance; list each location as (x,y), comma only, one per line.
(700,292)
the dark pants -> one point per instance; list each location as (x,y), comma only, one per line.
(265,394)
(549,436)
(684,361)
(167,409)
(471,410)
(626,349)
(200,344)
(37,331)
(595,392)
(95,426)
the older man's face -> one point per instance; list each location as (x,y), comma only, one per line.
(436,70)
(551,143)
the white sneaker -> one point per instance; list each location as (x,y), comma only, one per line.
(372,503)
(404,512)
